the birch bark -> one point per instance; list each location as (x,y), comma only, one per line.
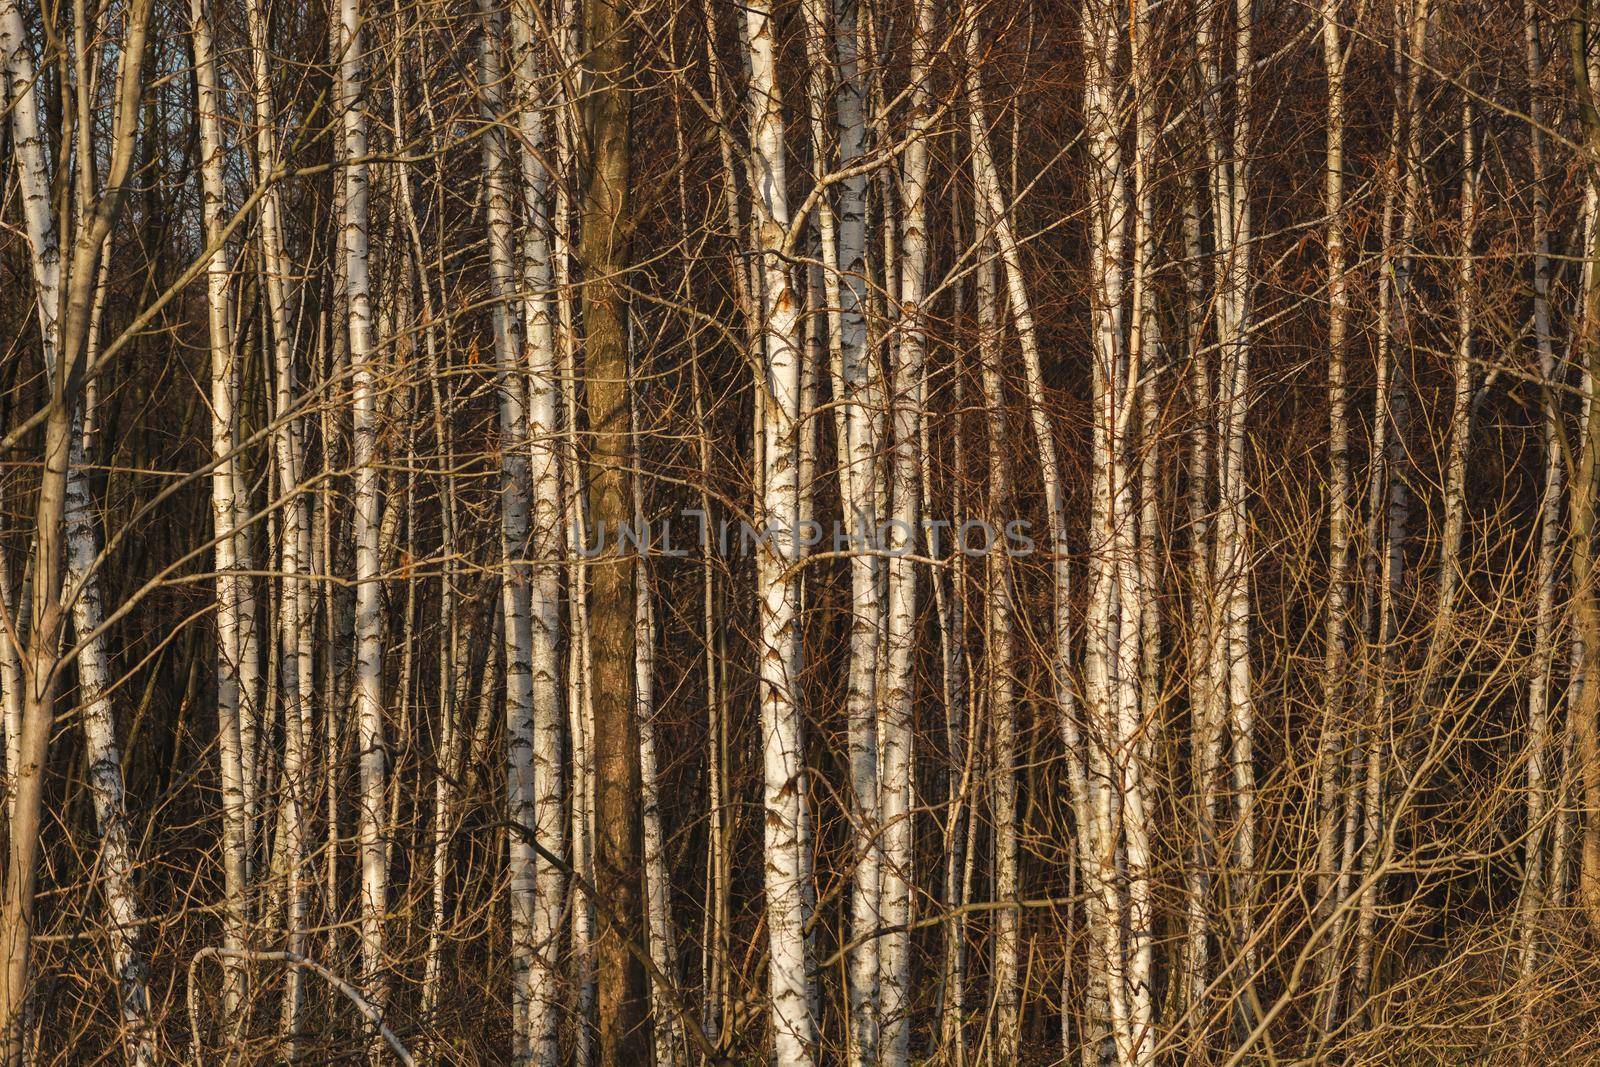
(539,325)
(74,289)
(859,385)
(906,412)
(368,507)
(778,397)
(231,735)
(1336,618)
(1535,886)
(514,583)
(82,583)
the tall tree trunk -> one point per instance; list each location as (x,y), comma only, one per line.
(1000,650)
(65,298)
(1451,570)
(832,46)
(539,324)
(296,607)
(82,583)
(1202,713)
(13,642)
(669,1036)
(368,691)
(897,717)
(607,226)
(1112,634)
(778,584)
(1584,491)
(96,681)
(1540,687)
(514,584)
(861,446)
(224,509)
(1336,617)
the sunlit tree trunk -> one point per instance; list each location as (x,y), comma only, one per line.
(1331,756)
(1203,754)
(786,843)
(95,676)
(1111,633)
(658,881)
(231,735)
(296,604)
(96,681)
(1540,685)
(1451,571)
(1229,175)
(65,295)
(1584,490)
(618,861)
(368,691)
(514,583)
(1000,650)
(897,720)
(13,640)
(860,386)
(539,324)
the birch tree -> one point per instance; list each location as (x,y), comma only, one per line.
(64,298)
(368,507)
(778,401)
(1535,885)
(514,582)
(341,339)
(231,734)
(907,392)
(539,318)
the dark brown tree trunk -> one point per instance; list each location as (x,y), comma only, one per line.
(618,863)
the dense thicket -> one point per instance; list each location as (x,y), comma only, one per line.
(820,531)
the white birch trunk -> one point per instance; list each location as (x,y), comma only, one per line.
(580,712)
(669,1036)
(1140,490)
(1535,883)
(12,640)
(62,514)
(858,385)
(368,690)
(1451,574)
(778,394)
(224,392)
(95,676)
(514,584)
(96,679)
(296,597)
(1112,624)
(1000,651)
(897,716)
(1203,748)
(1331,755)
(1229,180)
(539,320)
(958,720)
